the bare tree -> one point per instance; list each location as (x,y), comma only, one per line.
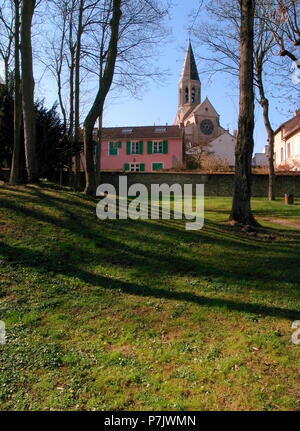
(80,30)
(28,84)
(81,53)
(15,166)
(57,53)
(263,47)
(283,19)
(98,104)
(223,38)
(6,36)
(241,203)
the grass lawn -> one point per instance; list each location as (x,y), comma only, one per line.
(142,315)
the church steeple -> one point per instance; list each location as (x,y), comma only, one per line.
(190,68)
(189,85)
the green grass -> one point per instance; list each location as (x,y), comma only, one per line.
(142,315)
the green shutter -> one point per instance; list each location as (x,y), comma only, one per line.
(112,151)
(157,166)
(166,147)
(150,147)
(128,148)
(141,147)
(142,167)
(119,144)
(126,167)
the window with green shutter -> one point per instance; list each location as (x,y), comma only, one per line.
(158,148)
(134,167)
(141,147)
(113,148)
(166,147)
(150,147)
(119,144)
(157,166)
(137,147)
(128,148)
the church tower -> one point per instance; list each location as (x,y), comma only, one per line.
(189,86)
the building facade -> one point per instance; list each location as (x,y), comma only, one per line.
(153,148)
(141,149)
(287,144)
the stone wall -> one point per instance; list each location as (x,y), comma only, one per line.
(215,184)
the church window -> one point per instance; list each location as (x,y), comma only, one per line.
(186,95)
(207,127)
(193,95)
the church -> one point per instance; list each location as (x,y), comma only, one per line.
(155,148)
(199,119)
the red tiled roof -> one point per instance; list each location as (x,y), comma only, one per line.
(290,126)
(141,132)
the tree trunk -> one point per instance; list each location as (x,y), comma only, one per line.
(6,70)
(71,93)
(15,166)
(59,68)
(264,102)
(98,152)
(100,120)
(272,178)
(241,205)
(97,108)
(27,12)
(77,96)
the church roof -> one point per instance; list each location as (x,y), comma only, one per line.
(196,108)
(190,70)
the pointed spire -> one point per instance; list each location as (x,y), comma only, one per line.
(190,68)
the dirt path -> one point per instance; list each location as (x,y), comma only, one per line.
(283,222)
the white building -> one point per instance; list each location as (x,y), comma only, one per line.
(287,144)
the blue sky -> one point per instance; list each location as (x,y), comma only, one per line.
(159,103)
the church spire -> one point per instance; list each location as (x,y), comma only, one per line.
(189,86)
(190,68)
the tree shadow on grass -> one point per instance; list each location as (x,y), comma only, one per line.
(35,260)
(162,246)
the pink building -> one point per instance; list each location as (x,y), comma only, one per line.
(141,149)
